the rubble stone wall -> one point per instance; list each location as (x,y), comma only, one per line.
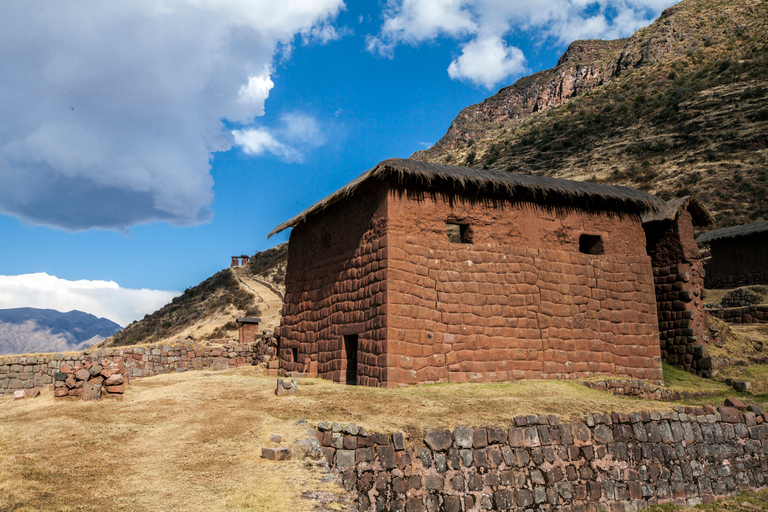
(34,371)
(618,462)
(518,300)
(336,287)
(756,314)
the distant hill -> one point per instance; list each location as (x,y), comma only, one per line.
(209,310)
(680,107)
(30,330)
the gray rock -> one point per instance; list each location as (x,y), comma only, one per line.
(345,458)
(438,440)
(462,437)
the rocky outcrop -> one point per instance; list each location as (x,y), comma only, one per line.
(585,65)
(676,109)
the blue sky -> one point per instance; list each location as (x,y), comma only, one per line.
(144,142)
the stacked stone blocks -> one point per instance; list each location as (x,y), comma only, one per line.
(521,300)
(485,312)
(605,462)
(681,316)
(90,379)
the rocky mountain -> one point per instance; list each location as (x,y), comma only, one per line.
(30,330)
(680,107)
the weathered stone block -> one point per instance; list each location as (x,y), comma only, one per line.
(278,453)
(438,440)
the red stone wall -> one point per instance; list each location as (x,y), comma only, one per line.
(249,333)
(679,280)
(520,301)
(335,286)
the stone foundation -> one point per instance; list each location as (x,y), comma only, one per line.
(621,462)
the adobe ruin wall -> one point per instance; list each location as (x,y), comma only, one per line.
(678,274)
(521,300)
(618,462)
(340,291)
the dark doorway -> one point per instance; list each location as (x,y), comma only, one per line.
(350,355)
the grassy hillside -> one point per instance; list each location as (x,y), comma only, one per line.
(270,265)
(684,110)
(219,297)
(209,309)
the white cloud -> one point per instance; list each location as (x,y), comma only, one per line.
(101,298)
(111,110)
(258,141)
(481,27)
(487,62)
(295,130)
(256,92)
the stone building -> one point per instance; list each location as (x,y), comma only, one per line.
(739,255)
(678,275)
(417,272)
(249,329)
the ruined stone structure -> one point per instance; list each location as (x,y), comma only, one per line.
(249,329)
(238,261)
(739,255)
(678,274)
(418,272)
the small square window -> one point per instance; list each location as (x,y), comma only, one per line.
(458,233)
(591,244)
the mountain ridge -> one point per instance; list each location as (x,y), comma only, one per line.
(30,330)
(677,108)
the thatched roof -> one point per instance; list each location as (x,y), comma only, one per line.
(733,232)
(670,211)
(489,182)
(248,320)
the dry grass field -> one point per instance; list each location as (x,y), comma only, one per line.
(192,441)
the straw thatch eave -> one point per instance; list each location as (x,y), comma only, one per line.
(489,182)
(733,232)
(699,214)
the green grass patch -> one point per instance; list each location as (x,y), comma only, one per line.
(744,502)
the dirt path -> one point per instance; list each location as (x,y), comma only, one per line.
(270,303)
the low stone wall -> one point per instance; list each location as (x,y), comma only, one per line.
(34,371)
(743,315)
(617,462)
(641,389)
